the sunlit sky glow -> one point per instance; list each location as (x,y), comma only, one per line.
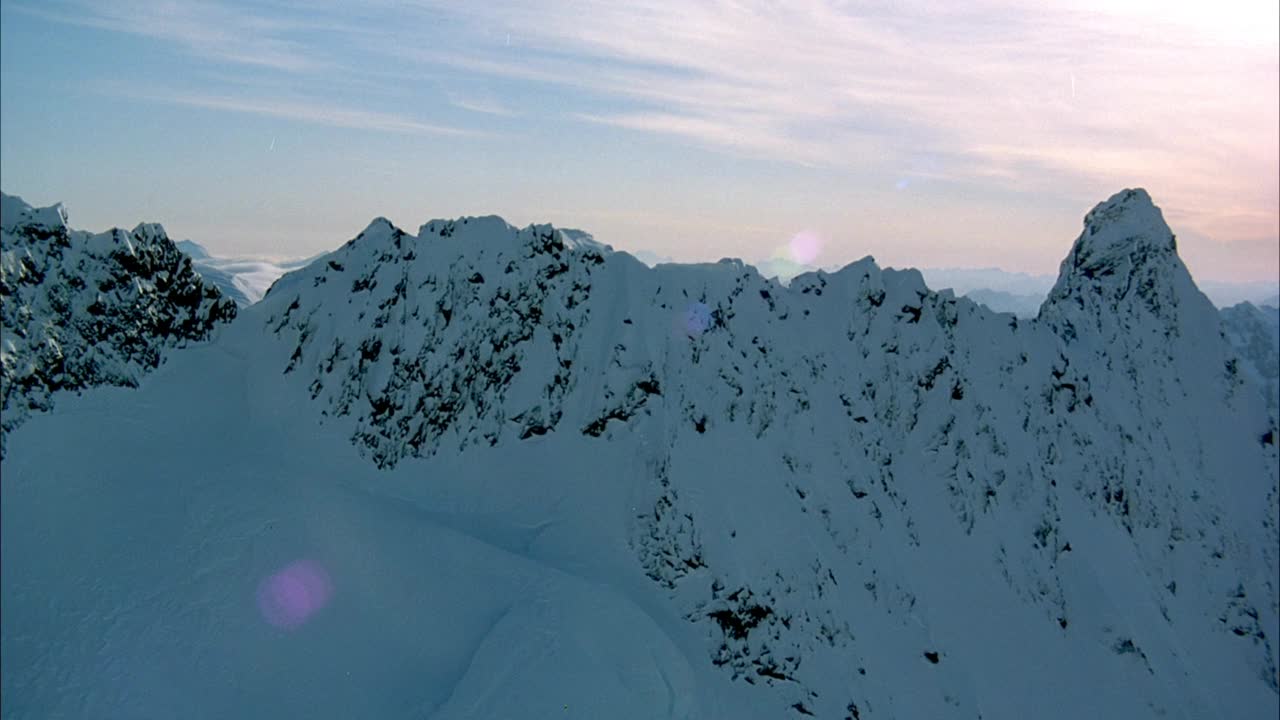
(930,134)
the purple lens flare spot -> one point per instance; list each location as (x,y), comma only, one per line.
(290,597)
(697,318)
(804,247)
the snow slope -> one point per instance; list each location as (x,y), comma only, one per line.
(82,309)
(495,472)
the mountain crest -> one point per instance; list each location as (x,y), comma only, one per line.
(82,310)
(1130,214)
(1122,237)
(14,214)
(1123,275)
(379,230)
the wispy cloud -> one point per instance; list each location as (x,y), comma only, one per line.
(320,114)
(484,104)
(1075,100)
(1072,98)
(300,109)
(747,135)
(210,30)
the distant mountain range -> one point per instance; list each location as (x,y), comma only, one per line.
(1011,292)
(244,280)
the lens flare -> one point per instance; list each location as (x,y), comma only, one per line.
(291,596)
(697,318)
(804,247)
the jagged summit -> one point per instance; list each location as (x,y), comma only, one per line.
(379,232)
(83,309)
(382,236)
(151,231)
(1122,271)
(15,213)
(380,226)
(1125,238)
(1122,237)
(509,296)
(493,229)
(1124,262)
(1127,217)
(482,225)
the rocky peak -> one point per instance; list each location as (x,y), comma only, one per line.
(1126,218)
(16,214)
(82,309)
(1123,275)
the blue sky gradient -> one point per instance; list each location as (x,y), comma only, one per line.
(919,133)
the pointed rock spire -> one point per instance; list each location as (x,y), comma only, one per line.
(1122,268)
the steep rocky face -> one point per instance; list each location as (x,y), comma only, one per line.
(416,345)
(851,472)
(81,310)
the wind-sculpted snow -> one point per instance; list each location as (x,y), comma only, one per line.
(82,310)
(690,492)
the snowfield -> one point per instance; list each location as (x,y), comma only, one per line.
(489,472)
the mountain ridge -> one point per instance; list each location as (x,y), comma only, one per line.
(850,497)
(525,297)
(82,309)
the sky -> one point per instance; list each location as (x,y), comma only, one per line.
(923,133)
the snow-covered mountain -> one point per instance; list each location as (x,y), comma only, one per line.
(998,290)
(1019,293)
(1022,293)
(1227,294)
(219,278)
(651,258)
(244,280)
(967,280)
(1254,333)
(495,472)
(1023,306)
(81,310)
